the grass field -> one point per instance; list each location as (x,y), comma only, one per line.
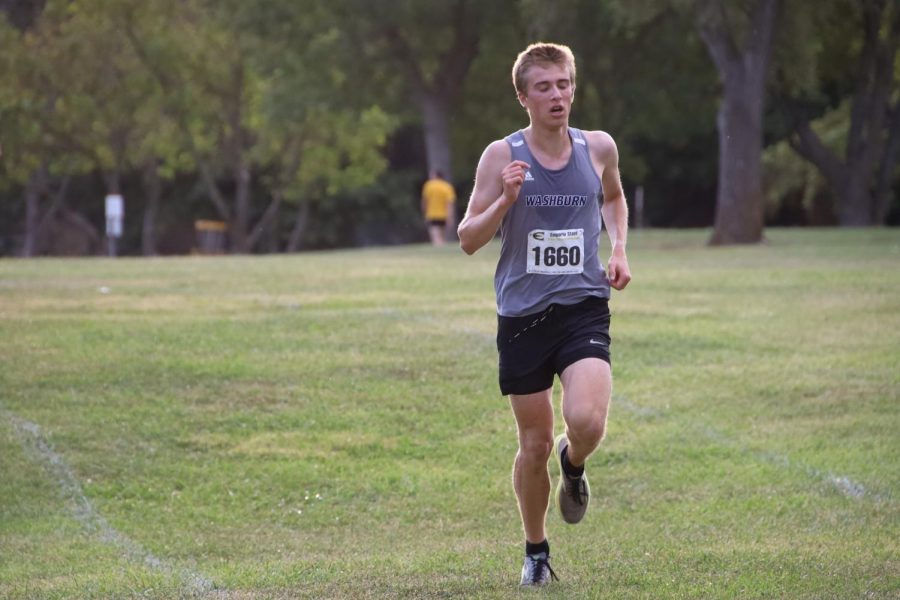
(328,425)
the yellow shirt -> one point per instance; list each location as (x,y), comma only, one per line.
(438,196)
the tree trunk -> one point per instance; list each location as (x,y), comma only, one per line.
(265,222)
(240,238)
(300,221)
(886,169)
(113,182)
(437,94)
(36,223)
(855,207)
(212,188)
(742,71)
(861,180)
(273,242)
(437,132)
(32,212)
(739,202)
(152,193)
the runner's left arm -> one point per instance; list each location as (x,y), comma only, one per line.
(614,209)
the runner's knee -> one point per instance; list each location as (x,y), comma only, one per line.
(536,448)
(587,426)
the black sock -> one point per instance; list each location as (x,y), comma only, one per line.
(537,548)
(569,469)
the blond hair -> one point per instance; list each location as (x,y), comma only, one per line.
(544,54)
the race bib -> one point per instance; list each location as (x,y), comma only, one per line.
(558,252)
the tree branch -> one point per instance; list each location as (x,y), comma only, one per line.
(886,169)
(712,28)
(759,41)
(405,55)
(866,75)
(59,197)
(69,142)
(215,194)
(808,145)
(161,76)
(264,221)
(761,31)
(456,62)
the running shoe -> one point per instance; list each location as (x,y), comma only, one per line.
(572,494)
(536,571)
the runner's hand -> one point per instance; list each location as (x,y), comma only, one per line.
(617,271)
(513,176)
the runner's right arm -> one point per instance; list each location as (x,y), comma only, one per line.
(497,184)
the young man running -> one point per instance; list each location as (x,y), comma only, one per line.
(542,187)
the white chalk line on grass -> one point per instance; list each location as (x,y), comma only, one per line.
(40,450)
(843,484)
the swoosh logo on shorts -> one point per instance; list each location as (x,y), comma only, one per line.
(598,343)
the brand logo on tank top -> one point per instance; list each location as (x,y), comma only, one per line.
(528,176)
(556,200)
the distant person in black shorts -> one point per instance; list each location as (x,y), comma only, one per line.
(545,188)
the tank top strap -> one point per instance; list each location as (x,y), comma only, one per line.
(518,147)
(583,152)
(579,142)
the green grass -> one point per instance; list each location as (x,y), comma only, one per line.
(328,425)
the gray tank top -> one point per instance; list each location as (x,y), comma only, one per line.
(550,237)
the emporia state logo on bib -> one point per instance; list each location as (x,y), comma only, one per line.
(559,252)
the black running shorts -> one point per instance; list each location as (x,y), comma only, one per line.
(536,347)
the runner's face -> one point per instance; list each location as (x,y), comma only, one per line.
(549,94)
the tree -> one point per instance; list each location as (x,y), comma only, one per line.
(436,94)
(425,50)
(318,134)
(861,179)
(643,76)
(109,104)
(92,106)
(743,69)
(649,37)
(313,153)
(39,156)
(253,102)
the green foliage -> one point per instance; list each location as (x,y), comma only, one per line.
(103,102)
(383,212)
(490,110)
(21,137)
(310,95)
(335,151)
(81,88)
(310,130)
(627,55)
(815,61)
(421,49)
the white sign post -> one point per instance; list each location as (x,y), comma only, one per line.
(115,213)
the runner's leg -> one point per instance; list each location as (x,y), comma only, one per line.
(587,387)
(531,478)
